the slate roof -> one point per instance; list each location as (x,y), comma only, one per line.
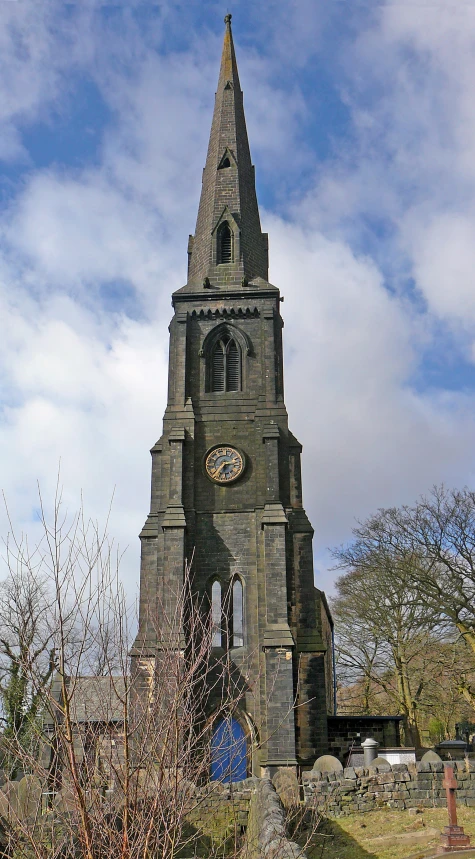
(95,699)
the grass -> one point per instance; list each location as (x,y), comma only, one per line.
(385,834)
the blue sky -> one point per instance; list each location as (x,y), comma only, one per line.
(362,130)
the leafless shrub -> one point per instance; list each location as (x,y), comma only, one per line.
(120,761)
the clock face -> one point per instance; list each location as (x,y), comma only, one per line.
(224,464)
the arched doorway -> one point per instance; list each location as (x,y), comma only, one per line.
(228,752)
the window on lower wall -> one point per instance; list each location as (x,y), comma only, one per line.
(216,612)
(227,614)
(237,639)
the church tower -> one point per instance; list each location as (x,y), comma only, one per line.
(226,482)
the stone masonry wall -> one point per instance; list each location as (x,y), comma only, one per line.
(266,832)
(413,785)
(221,807)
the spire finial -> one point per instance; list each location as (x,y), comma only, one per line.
(227,19)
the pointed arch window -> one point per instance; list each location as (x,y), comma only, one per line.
(216,614)
(225,247)
(227,614)
(225,365)
(237,638)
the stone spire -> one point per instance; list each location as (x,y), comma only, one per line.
(223,256)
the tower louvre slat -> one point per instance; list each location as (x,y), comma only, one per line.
(217,368)
(233,367)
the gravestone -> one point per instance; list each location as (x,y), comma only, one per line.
(431,757)
(381,763)
(453,837)
(454,750)
(29,796)
(328,764)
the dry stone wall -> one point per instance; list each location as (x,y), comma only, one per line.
(221,807)
(266,832)
(217,808)
(412,785)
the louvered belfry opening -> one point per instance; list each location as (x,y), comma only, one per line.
(226,365)
(225,244)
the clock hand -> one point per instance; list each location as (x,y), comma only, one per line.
(220,467)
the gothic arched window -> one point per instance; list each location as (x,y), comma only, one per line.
(226,613)
(225,247)
(216,614)
(237,639)
(225,365)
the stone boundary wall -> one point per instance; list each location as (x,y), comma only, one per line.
(220,808)
(266,832)
(413,785)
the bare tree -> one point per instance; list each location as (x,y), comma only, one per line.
(383,633)
(26,652)
(426,553)
(124,761)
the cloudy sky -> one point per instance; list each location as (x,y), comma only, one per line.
(362,126)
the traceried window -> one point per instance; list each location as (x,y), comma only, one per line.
(225,365)
(225,246)
(227,614)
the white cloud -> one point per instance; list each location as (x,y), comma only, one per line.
(85,382)
(443,251)
(404,185)
(83,230)
(89,395)
(370,440)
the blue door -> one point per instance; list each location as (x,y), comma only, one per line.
(228,752)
